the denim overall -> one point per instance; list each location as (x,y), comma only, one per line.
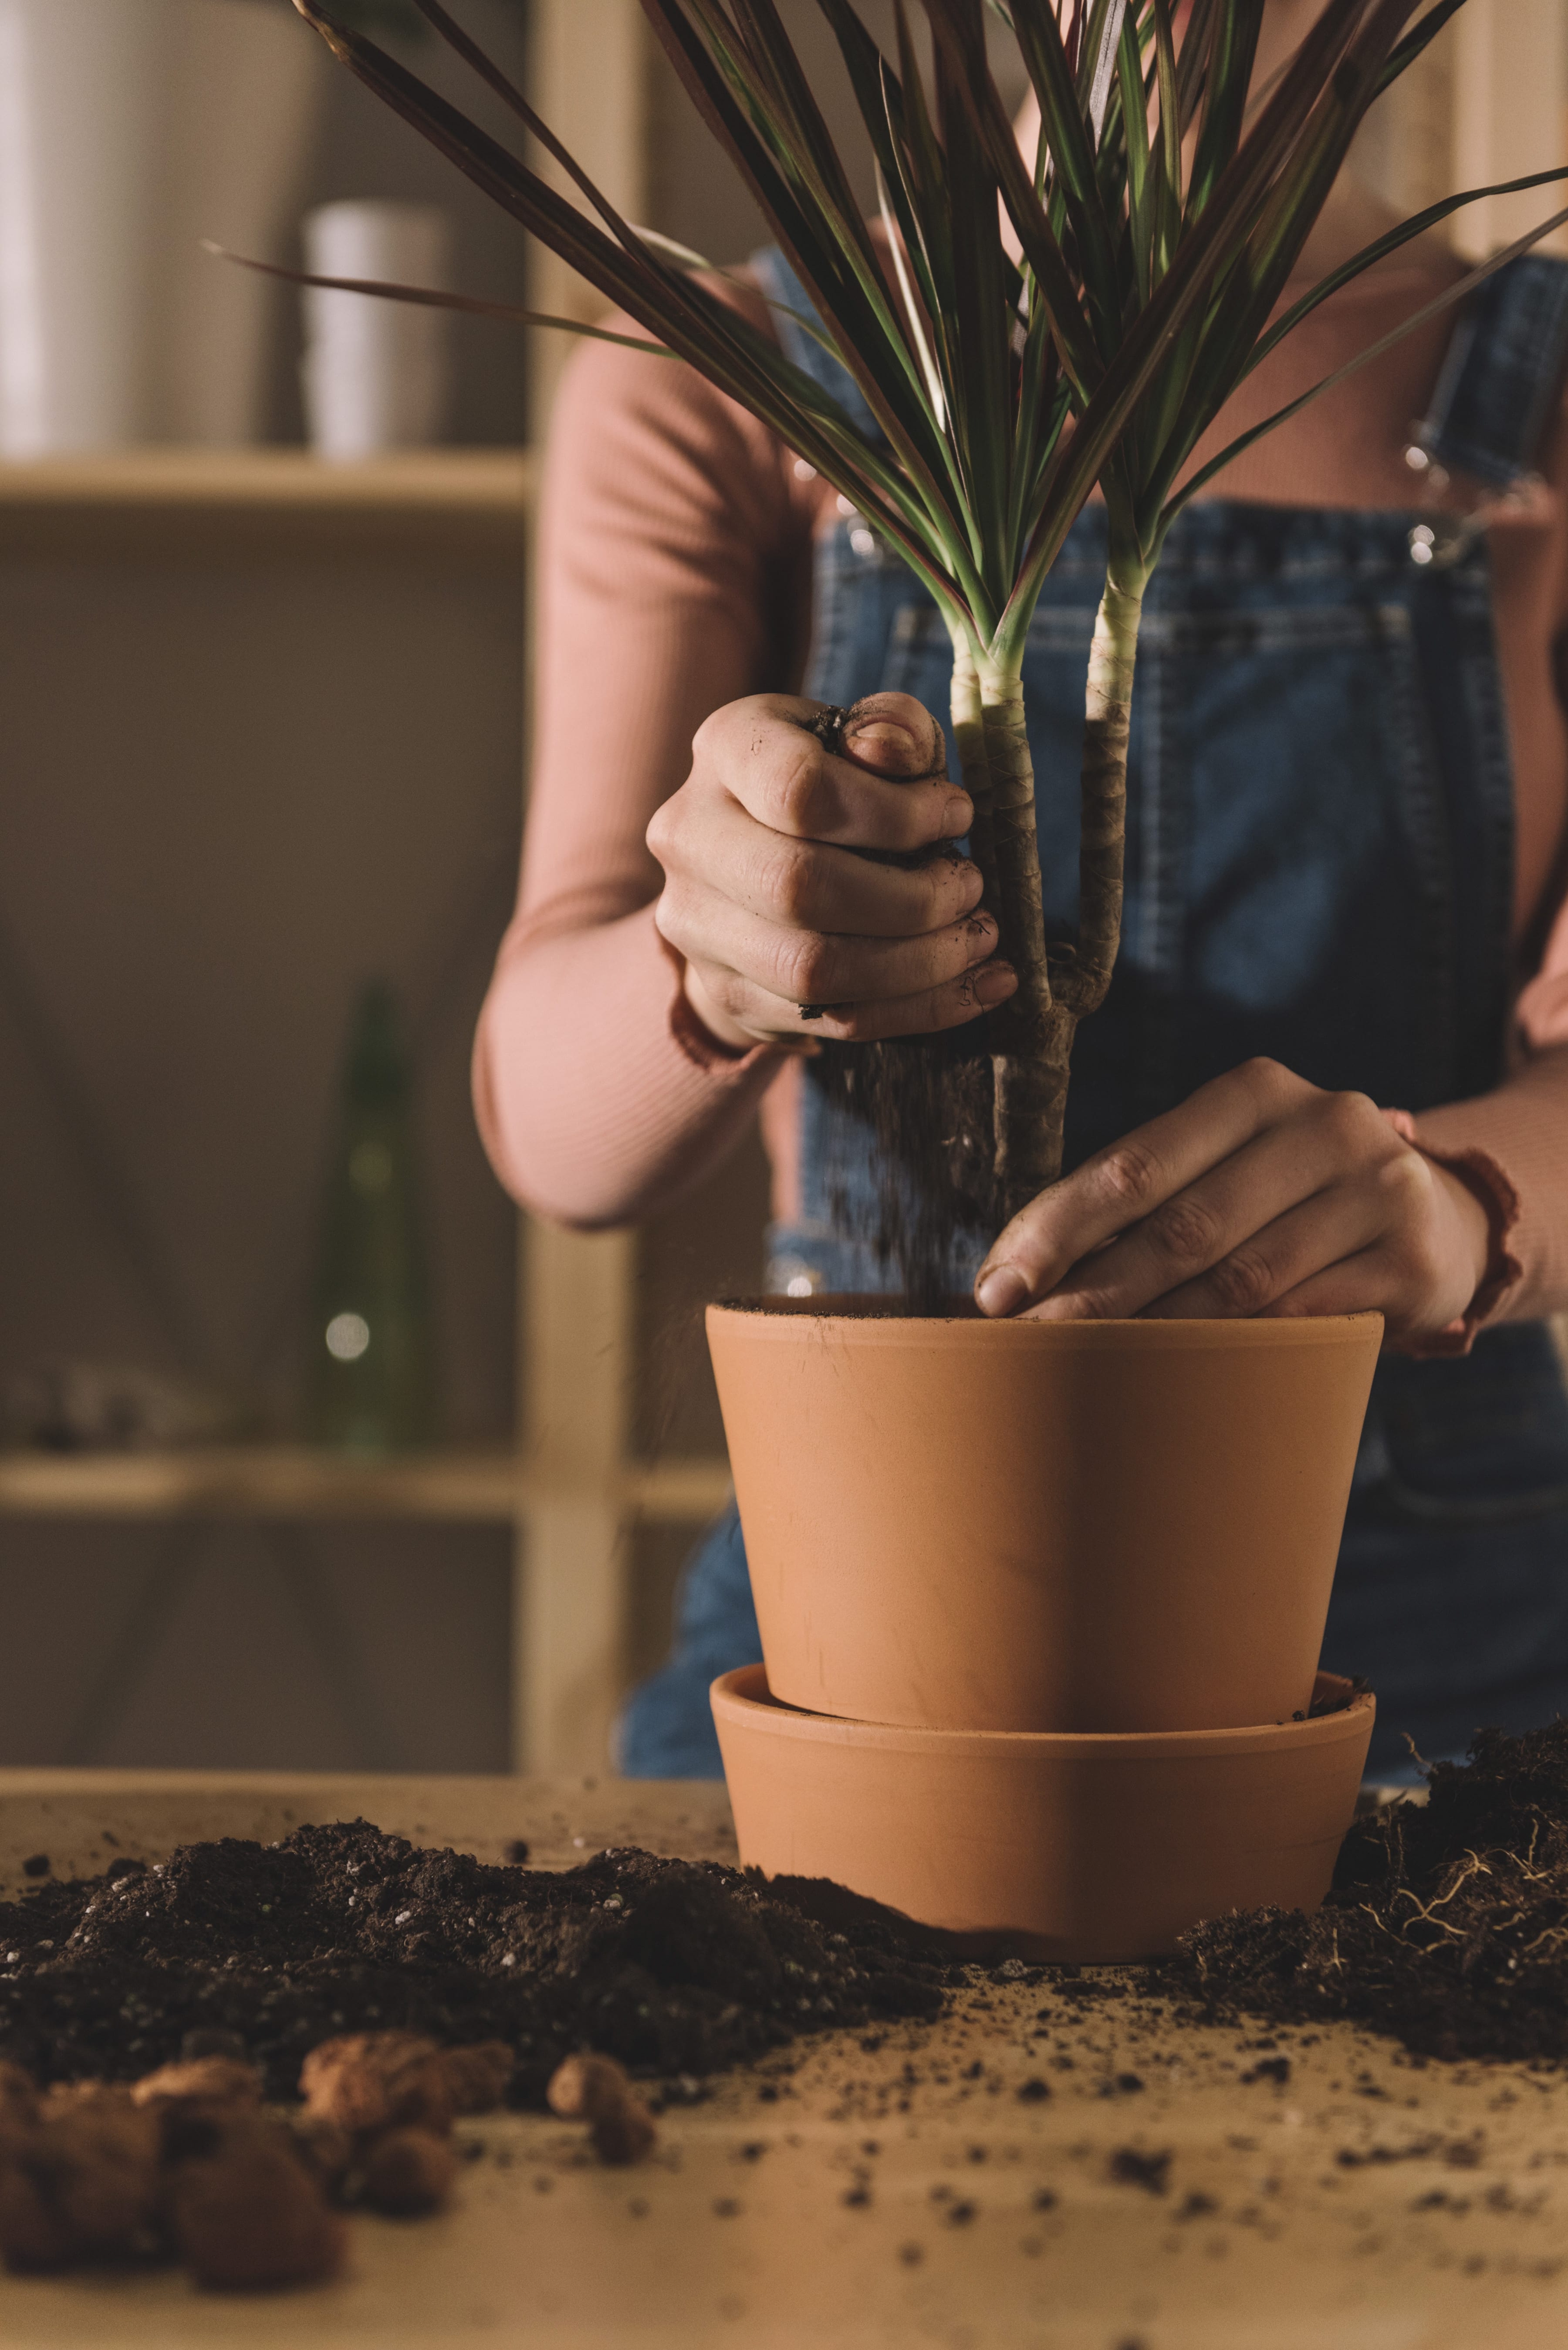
(1320,867)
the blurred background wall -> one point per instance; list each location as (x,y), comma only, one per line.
(233,784)
(236,780)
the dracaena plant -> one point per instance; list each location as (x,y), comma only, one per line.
(1027,326)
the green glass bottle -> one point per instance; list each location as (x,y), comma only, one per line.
(371,1384)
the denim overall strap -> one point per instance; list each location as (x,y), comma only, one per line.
(1320,867)
(790,306)
(1498,386)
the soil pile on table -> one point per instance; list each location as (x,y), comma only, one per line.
(1446,1927)
(673,1967)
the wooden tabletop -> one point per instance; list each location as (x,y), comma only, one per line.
(894,2189)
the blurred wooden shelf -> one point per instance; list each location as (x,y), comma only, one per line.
(176,502)
(287,1481)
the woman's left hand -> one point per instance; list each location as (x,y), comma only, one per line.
(1260,1194)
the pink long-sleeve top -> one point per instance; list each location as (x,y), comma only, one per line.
(675,576)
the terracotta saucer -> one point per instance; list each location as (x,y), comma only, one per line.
(1077,1845)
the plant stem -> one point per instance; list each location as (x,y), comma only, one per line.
(1032,1034)
(1082,972)
(1028,1038)
(969,733)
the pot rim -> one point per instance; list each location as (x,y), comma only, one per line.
(862,1319)
(742,1699)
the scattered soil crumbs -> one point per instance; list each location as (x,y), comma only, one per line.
(1446,1927)
(672,1967)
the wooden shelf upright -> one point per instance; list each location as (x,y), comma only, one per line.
(567,1490)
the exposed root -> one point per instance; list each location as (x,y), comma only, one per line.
(1448,1927)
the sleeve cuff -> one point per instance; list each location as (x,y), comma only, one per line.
(1482,1176)
(694,1041)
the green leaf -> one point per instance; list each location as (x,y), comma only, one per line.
(709,335)
(1227,81)
(1097,60)
(1139,183)
(982,321)
(1140,307)
(1419,38)
(1070,140)
(1042,249)
(1379,249)
(1194,64)
(434,297)
(1433,309)
(1166,148)
(451,33)
(399,19)
(1283,225)
(865,330)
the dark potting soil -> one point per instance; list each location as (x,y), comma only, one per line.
(928,1105)
(1446,1926)
(674,1966)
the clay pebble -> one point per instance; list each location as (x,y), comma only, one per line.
(367,2081)
(198,2084)
(193,2097)
(326,2150)
(408,2172)
(82,2183)
(596,2089)
(249,2215)
(478,2078)
(184,2159)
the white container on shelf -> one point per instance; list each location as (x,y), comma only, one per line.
(376,373)
(82,111)
(130,130)
(245,109)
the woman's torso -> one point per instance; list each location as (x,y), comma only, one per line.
(1321,868)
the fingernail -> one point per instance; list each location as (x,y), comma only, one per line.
(1000,1291)
(995,984)
(883,743)
(958,816)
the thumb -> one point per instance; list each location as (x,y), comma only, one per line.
(894,735)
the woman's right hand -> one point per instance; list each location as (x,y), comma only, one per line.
(772,909)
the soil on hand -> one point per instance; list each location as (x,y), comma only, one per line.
(1446,1927)
(673,1967)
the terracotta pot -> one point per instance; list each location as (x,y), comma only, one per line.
(1040,1526)
(1070,1847)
